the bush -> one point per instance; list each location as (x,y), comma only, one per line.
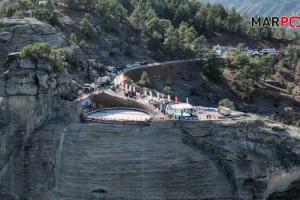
(36,51)
(144,81)
(58,57)
(167,90)
(73,38)
(227,103)
(87,28)
(297,124)
(82,44)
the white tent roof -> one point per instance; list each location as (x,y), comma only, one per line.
(181,106)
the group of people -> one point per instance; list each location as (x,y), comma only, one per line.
(160,105)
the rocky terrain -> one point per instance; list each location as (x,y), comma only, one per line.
(29,93)
(45,153)
(186,160)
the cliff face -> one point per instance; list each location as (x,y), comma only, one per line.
(185,160)
(29,93)
(46,154)
(29,98)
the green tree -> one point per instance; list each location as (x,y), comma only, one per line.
(58,57)
(167,90)
(227,103)
(268,64)
(138,18)
(145,80)
(240,61)
(83,44)
(211,67)
(171,42)
(73,38)
(24,5)
(187,35)
(200,46)
(87,28)
(210,22)
(244,83)
(36,51)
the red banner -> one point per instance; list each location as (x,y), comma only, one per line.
(176,99)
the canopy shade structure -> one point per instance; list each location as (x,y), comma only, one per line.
(181,106)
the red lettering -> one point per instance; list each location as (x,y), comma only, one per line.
(283,20)
(291,21)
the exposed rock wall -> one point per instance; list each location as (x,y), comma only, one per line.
(29,98)
(165,160)
(17,33)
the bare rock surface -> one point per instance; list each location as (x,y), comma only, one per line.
(165,160)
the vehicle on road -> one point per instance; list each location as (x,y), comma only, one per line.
(136,64)
(268,51)
(120,67)
(87,88)
(144,62)
(113,72)
(129,66)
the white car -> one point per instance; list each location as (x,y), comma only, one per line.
(129,65)
(110,68)
(137,64)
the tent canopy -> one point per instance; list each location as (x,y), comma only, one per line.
(181,106)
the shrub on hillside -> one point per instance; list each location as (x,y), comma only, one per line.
(227,103)
(36,51)
(87,28)
(167,90)
(297,124)
(82,44)
(73,38)
(145,80)
(58,57)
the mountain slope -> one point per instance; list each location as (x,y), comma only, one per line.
(265,8)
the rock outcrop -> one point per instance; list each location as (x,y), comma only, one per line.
(166,160)
(17,33)
(29,98)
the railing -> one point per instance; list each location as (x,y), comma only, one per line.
(118,121)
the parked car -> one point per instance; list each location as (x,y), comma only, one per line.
(268,51)
(87,88)
(129,65)
(137,64)
(120,67)
(144,62)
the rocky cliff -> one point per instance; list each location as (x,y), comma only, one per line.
(29,98)
(46,154)
(167,160)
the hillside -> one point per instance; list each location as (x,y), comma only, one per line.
(52,56)
(264,8)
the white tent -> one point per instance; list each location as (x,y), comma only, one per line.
(171,109)
(181,106)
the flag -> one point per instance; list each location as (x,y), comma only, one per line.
(176,99)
